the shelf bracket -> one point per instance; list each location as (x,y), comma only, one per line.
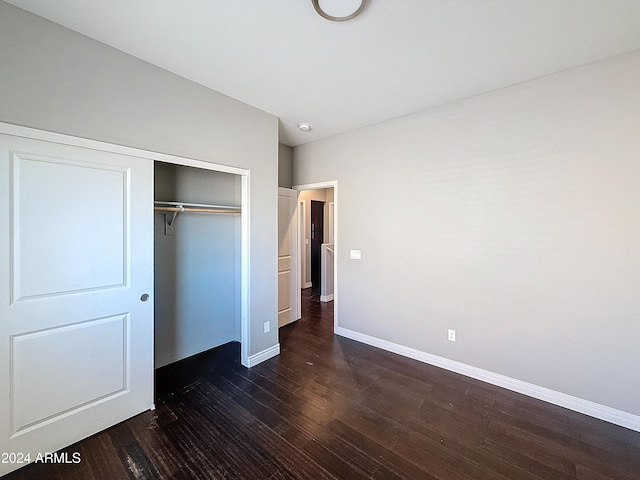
(169,225)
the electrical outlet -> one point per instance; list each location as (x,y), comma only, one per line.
(267,327)
(452,335)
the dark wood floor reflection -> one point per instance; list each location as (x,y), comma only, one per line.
(329,407)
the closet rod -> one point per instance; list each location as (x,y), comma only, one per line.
(196,210)
(200,205)
(180,207)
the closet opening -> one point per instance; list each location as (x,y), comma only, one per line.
(317,206)
(200,256)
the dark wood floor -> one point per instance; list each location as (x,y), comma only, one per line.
(329,407)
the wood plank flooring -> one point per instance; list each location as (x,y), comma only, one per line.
(329,407)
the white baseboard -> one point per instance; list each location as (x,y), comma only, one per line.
(576,404)
(260,357)
(307,285)
(326,298)
(175,356)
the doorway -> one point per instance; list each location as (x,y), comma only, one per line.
(325,231)
(196,257)
(209,176)
(317,239)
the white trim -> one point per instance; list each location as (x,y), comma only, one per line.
(316,186)
(336,205)
(260,357)
(245,275)
(245,313)
(576,404)
(308,285)
(35,134)
(326,298)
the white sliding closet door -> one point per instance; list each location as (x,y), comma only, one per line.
(76,266)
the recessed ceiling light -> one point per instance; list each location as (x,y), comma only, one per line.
(305,127)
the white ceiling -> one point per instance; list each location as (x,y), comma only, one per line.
(398,57)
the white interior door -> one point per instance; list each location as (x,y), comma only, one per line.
(287,256)
(76,258)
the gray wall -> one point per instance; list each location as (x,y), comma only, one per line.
(511,217)
(197,289)
(285,166)
(58,80)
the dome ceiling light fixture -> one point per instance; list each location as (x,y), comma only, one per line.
(339,10)
(305,127)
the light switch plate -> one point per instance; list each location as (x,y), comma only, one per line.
(355,254)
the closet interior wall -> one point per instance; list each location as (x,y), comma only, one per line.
(197,269)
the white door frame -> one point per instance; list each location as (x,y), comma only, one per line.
(318,186)
(245,318)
